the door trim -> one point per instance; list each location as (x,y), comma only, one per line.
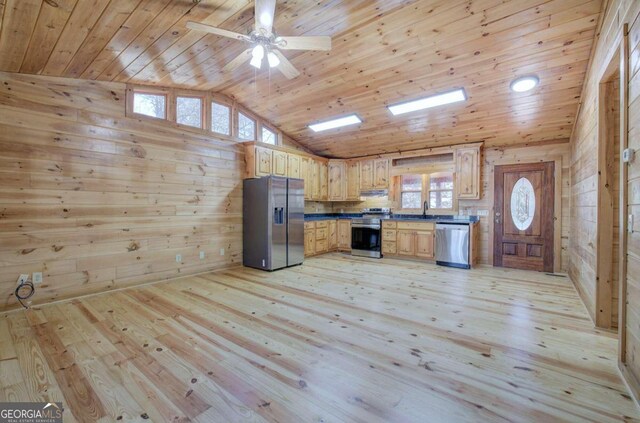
(624,193)
(557,208)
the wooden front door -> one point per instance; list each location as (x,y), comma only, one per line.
(524,216)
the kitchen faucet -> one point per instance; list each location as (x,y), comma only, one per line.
(425,207)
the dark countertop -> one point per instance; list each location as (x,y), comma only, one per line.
(429,218)
(330,216)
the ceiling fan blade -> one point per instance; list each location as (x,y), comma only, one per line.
(242,58)
(265,14)
(285,66)
(217,31)
(321,43)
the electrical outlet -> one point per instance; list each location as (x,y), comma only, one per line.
(222,251)
(23,278)
(178,258)
(37,278)
(201,255)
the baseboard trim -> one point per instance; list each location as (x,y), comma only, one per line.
(631,382)
(93,294)
(581,294)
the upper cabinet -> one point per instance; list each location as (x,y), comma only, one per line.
(381,174)
(337,179)
(263,158)
(374,174)
(468,173)
(324,181)
(305,173)
(353,180)
(345,180)
(315,180)
(293,166)
(280,159)
(366,175)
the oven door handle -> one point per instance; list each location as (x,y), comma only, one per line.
(357,226)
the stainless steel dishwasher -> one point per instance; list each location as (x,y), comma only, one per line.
(452,245)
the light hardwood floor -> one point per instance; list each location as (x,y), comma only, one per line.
(337,339)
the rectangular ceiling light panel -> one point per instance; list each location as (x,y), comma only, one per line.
(428,102)
(335,123)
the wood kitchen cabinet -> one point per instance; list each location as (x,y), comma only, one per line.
(352,180)
(468,173)
(293,166)
(324,181)
(309,242)
(332,236)
(406,243)
(408,239)
(389,237)
(381,174)
(263,161)
(315,180)
(305,173)
(424,244)
(344,180)
(344,235)
(337,185)
(374,174)
(280,159)
(366,175)
(323,236)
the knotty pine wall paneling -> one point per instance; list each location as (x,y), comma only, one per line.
(584,163)
(99,201)
(584,180)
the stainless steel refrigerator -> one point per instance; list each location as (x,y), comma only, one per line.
(273,222)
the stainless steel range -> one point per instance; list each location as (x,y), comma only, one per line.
(366,232)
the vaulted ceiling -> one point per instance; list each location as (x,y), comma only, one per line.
(384,52)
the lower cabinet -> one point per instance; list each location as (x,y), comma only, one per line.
(424,244)
(309,238)
(322,229)
(408,239)
(332,237)
(344,235)
(323,236)
(406,243)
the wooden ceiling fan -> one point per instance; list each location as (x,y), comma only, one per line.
(264,41)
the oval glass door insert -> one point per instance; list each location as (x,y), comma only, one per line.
(523,204)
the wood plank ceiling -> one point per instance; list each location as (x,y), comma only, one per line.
(384,52)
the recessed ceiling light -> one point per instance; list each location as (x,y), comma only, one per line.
(428,102)
(335,123)
(525,83)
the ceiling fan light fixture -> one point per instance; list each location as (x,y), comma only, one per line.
(273,59)
(255,62)
(258,52)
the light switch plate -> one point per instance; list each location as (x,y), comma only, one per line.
(483,213)
(222,251)
(37,278)
(178,258)
(201,255)
(628,155)
(630,223)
